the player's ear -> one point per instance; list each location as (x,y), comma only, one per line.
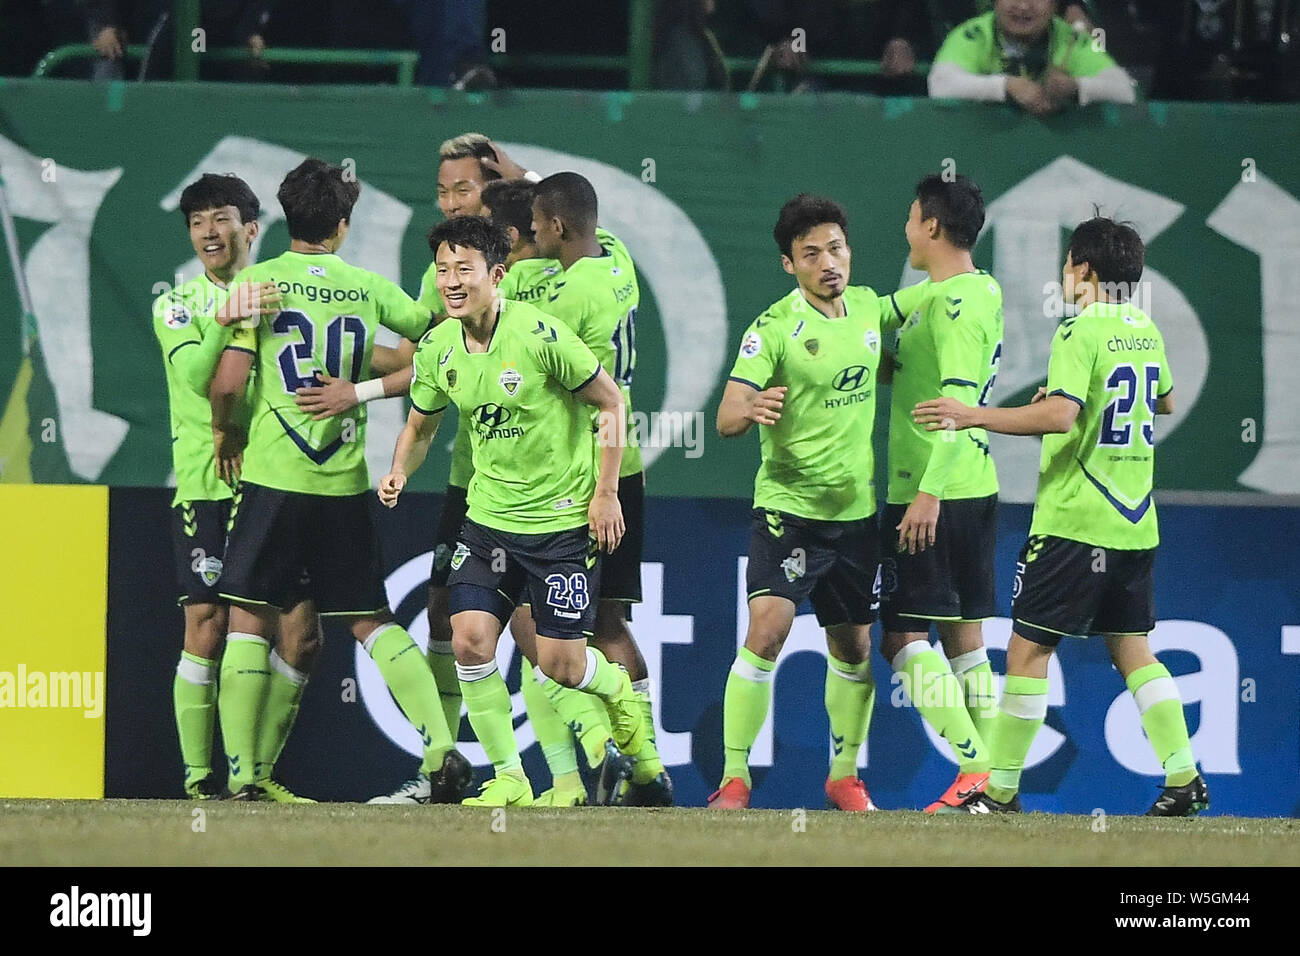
(787,264)
(252,229)
(513,233)
(497,273)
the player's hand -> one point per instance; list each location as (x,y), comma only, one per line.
(108,43)
(503,165)
(605,519)
(916,531)
(1060,87)
(333,396)
(248,300)
(945,414)
(1028,95)
(765,409)
(228,445)
(390,486)
(1039,395)
(898,59)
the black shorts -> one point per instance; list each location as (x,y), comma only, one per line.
(454,509)
(1067,588)
(199,541)
(620,572)
(952,581)
(836,562)
(557,573)
(286,545)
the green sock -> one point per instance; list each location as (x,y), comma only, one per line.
(245,672)
(975,674)
(937,695)
(602,679)
(443,664)
(1023,709)
(551,730)
(410,681)
(283,692)
(850,697)
(648,762)
(744,709)
(1161,708)
(582,713)
(194,692)
(488,703)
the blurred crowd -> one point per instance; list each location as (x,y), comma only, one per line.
(1039,54)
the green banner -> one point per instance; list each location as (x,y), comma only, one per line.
(692,183)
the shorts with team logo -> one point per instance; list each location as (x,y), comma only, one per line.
(199,540)
(952,581)
(1066,588)
(837,563)
(454,508)
(287,545)
(620,572)
(558,573)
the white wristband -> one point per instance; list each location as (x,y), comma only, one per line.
(369,390)
(533,177)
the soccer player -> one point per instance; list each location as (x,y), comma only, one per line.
(540,503)
(304,515)
(596,295)
(940,520)
(806,376)
(221,213)
(1086,568)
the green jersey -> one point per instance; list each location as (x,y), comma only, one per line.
(532,439)
(329,313)
(525,281)
(1094,482)
(597,298)
(977,47)
(192,343)
(950,346)
(817,460)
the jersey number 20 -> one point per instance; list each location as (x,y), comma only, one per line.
(292,356)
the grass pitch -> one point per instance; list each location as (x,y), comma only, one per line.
(177,833)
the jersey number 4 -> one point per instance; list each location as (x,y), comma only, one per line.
(291,357)
(1116,420)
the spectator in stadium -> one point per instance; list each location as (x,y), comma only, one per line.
(687,55)
(449,35)
(1021,51)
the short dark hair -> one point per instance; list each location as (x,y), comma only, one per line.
(1113,250)
(804,213)
(471,146)
(315,196)
(215,190)
(511,203)
(571,197)
(957,203)
(474,232)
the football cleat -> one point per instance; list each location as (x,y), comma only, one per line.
(653,793)
(626,721)
(562,797)
(732,795)
(963,788)
(503,790)
(848,793)
(982,803)
(453,778)
(1185,801)
(275,792)
(615,769)
(209,788)
(249,793)
(414,791)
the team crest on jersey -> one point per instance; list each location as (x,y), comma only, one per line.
(209,569)
(871,339)
(316,271)
(795,566)
(459,555)
(812,345)
(178,316)
(451,378)
(752,345)
(510,380)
